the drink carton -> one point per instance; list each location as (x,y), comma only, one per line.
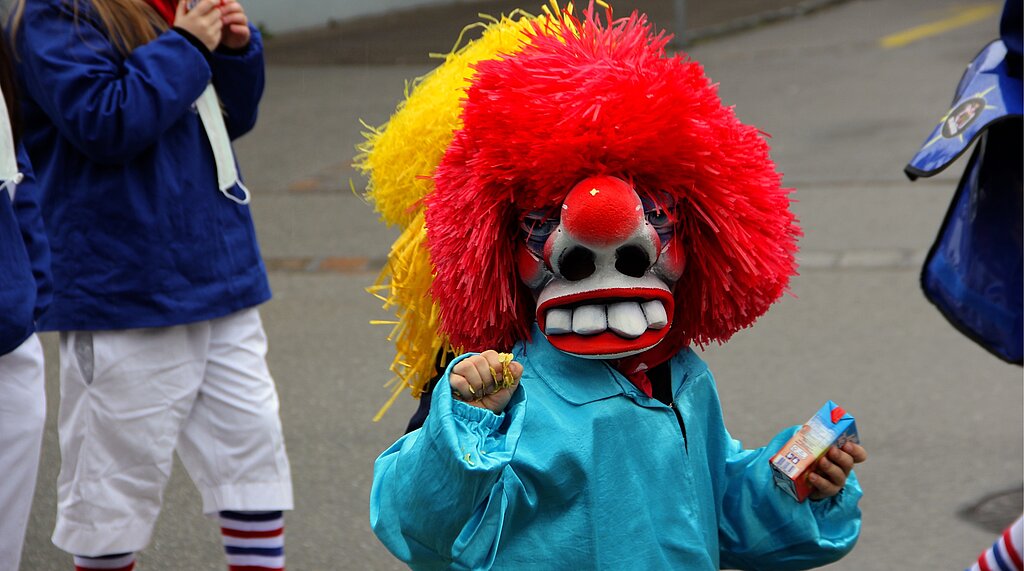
(830,426)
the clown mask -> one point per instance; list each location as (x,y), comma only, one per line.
(602,268)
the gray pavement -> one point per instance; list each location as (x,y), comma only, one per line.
(409,36)
(941,418)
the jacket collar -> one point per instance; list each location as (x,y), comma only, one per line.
(575,379)
(581,381)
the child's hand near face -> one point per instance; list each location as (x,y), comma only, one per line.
(236,25)
(203,21)
(478,381)
(830,473)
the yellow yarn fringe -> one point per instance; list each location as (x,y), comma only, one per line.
(399,158)
(404,287)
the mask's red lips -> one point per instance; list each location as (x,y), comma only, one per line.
(607,322)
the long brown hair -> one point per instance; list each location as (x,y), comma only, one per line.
(129,23)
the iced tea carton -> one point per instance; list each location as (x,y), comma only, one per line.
(830,426)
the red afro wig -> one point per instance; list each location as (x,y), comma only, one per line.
(586,98)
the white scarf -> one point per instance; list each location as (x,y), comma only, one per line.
(9,173)
(217,132)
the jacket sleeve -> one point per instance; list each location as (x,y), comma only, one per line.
(30,222)
(439,494)
(239,78)
(110,107)
(761,527)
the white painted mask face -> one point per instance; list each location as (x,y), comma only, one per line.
(602,269)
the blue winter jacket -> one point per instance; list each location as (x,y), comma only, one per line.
(140,234)
(25,286)
(582,471)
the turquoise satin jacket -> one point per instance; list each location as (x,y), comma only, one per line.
(582,471)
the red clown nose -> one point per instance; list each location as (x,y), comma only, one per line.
(602,210)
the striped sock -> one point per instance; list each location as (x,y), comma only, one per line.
(253,541)
(1005,553)
(119,562)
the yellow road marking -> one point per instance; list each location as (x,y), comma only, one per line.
(963,18)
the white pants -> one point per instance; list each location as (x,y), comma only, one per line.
(22,415)
(130,398)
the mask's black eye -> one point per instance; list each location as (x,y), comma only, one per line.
(661,214)
(536,228)
(659,219)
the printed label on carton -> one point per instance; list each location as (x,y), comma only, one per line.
(830,426)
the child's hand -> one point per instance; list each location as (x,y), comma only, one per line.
(236,25)
(478,381)
(203,21)
(830,474)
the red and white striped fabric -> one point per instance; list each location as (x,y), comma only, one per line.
(1006,553)
(253,541)
(121,562)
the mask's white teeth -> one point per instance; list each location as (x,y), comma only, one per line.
(654,311)
(558,321)
(589,320)
(627,319)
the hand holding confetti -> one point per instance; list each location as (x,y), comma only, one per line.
(487,380)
